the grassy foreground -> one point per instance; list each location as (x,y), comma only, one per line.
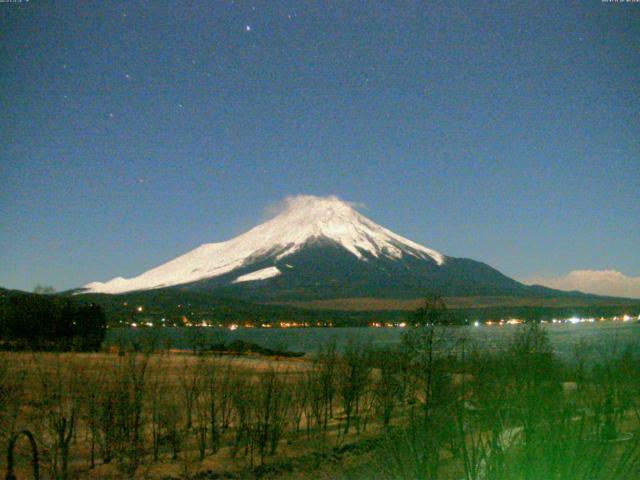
(433,407)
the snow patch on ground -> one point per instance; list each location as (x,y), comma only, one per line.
(258,275)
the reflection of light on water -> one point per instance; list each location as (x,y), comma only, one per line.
(563,335)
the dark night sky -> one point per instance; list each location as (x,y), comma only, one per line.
(131,132)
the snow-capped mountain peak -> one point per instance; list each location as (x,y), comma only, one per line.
(303,220)
(307,217)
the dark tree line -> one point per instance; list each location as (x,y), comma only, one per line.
(38,322)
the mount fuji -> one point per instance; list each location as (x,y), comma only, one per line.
(319,248)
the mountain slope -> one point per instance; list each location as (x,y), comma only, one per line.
(306,220)
(319,248)
(325,270)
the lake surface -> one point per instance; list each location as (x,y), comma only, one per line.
(604,338)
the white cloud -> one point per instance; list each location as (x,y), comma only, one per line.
(291,201)
(601,282)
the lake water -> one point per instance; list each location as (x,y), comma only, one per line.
(603,337)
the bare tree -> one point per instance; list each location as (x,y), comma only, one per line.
(60,393)
(353,375)
(270,413)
